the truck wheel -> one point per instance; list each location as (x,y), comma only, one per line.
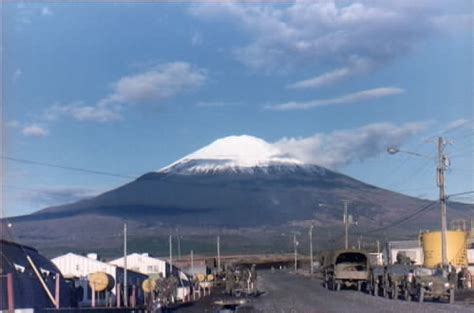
(407,295)
(451,296)
(421,295)
(376,290)
(395,292)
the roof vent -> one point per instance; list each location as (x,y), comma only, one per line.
(92,256)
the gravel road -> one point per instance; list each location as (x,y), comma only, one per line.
(284,292)
(290,293)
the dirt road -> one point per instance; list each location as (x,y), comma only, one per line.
(287,293)
(284,292)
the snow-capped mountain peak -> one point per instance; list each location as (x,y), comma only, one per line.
(233,153)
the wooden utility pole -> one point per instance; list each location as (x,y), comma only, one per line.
(192,263)
(346,225)
(311,270)
(171,255)
(442,162)
(218,254)
(125,285)
(295,242)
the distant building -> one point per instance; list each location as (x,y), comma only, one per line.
(142,263)
(145,264)
(409,248)
(79,267)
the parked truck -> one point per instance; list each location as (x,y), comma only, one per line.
(348,267)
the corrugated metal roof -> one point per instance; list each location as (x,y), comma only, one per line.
(405,244)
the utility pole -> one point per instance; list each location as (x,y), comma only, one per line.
(378,252)
(218,254)
(442,162)
(179,247)
(295,242)
(311,248)
(192,263)
(346,225)
(125,286)
(171,255)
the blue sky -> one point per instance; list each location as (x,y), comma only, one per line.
(129,88)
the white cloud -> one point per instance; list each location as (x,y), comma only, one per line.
(34,130)
(13,124)
(309,34)
(459,123)
(101,112)
(359,96)
(159,83)
(57,195)
(17,74)
(152,86)
(46,11)
(323,79)
(215,104)
(342,147)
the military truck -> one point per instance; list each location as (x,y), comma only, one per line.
(375,281)
(394,278)
(348,267)
(422,283)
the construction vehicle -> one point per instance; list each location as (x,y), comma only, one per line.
(348,267)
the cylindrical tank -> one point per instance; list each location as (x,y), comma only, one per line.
(455,248)
(101,281)
(149,285)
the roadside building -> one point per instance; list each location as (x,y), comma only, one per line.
(198,266)
(409,248)
(143,263)
(78,267)
(152,267)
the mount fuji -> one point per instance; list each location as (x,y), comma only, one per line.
(241,186)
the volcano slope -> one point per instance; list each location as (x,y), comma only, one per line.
(255,201)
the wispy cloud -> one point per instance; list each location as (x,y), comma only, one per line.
(196,39)
(46,11)
(160,83)
(16,75)
(153,86)
(342,147)
(323,79)
(216,104)
(364,95)
(334,34)
(56,195)
(80,112)
(34,130)
(333,76)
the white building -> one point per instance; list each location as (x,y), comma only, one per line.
(409,248)
(145,264)
(142,263)
(79,267)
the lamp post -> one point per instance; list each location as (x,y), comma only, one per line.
(442,163)
(311,248)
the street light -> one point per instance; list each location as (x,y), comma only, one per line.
(442,163)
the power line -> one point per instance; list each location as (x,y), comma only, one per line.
(460,193)
(70,168)
(403,219)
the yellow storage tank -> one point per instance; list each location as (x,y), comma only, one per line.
(101,281)
(456,248)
